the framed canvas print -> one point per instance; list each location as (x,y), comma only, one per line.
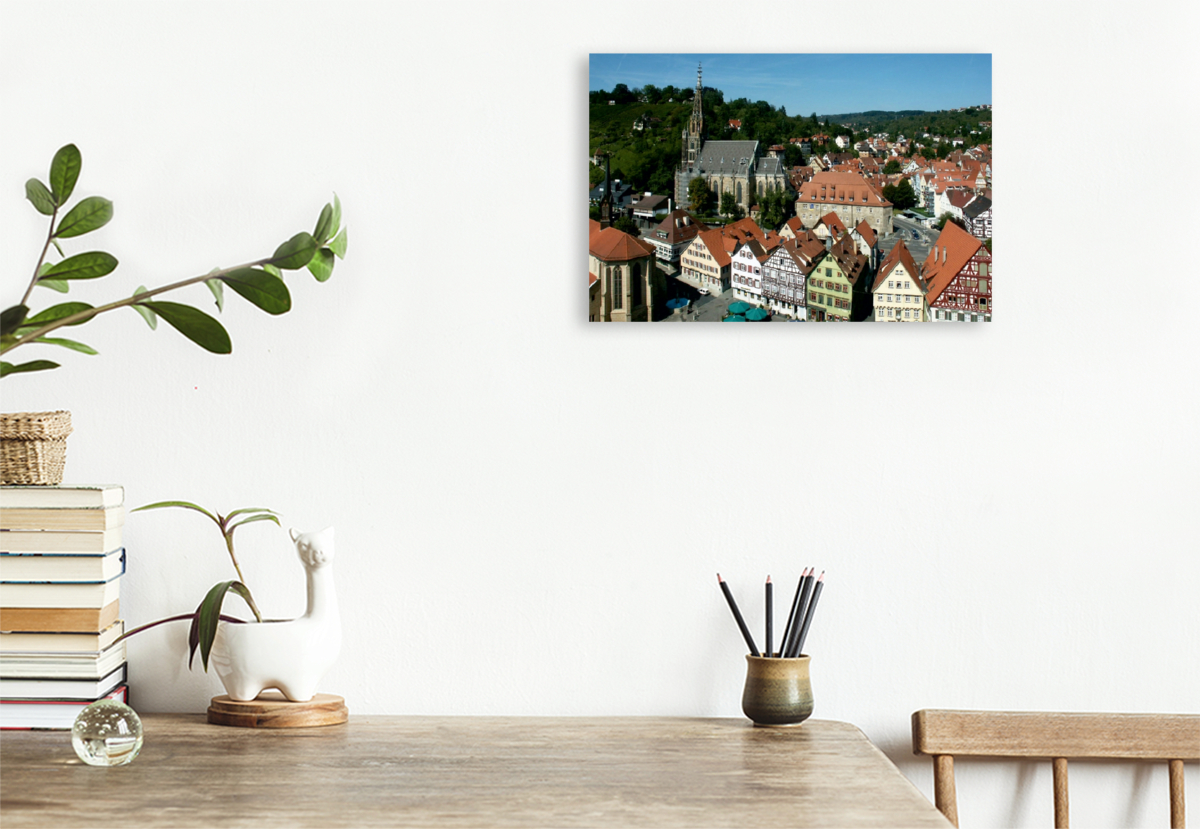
(713,199)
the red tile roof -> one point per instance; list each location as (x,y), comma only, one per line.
(831,221)
(867,232)
(956,247)
(899,255)
(840,188)
(612,245)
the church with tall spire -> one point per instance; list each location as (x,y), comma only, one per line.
(726,166)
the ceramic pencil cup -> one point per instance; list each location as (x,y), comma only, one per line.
(778,691)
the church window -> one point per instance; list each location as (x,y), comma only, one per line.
(616,287)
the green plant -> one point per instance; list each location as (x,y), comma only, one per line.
(206,616)
(260,281)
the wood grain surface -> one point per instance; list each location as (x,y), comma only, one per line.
(271,709)
(466,771)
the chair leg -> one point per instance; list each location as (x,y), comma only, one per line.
(1062,817)
(1178,821)
(943,787)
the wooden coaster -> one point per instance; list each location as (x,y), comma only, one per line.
(271,709)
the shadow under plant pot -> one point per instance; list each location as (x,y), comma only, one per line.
(33,447)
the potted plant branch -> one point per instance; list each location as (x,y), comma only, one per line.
(259,281)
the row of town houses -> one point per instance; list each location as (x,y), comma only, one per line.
(823,273)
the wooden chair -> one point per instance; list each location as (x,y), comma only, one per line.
(945,735)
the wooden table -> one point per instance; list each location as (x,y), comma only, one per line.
(466,771)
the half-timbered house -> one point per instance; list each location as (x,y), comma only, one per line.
(785,274)
(958,278)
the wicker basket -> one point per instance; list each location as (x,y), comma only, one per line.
(33,447)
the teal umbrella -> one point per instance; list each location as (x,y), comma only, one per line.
(740,307)
(734,318)
(756,315)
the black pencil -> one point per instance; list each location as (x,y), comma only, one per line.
(791,622)
(805,588)
(737,615)
(770,613)
(808,616)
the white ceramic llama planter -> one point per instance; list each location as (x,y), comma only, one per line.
(291,655)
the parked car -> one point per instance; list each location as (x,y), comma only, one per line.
(705,291)
(918,235)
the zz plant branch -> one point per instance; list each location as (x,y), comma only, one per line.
(259,281)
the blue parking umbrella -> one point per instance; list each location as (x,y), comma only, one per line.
(739,307)
(756,315)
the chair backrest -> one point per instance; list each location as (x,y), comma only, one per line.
(945,735)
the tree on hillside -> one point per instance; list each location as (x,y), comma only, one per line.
(622,95)
(595,175)
(892,167)
(699,196)
(628,225)
(950,217)
(774,208)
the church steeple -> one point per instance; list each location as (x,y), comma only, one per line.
(693,136)
(696,124)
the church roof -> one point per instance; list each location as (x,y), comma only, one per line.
(770,167)
(612,245)
(729,157)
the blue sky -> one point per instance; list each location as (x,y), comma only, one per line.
(825,84)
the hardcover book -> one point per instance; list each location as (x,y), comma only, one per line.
(49,714)
(61,567)
(100,496)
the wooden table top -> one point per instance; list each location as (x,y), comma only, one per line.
(466,771)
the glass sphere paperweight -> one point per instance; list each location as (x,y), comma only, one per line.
(107,733)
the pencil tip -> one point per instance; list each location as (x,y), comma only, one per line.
(719,577)
(822,576)
(768,579)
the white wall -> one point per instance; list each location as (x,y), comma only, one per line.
(530,509)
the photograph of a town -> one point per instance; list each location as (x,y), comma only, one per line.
(712,198)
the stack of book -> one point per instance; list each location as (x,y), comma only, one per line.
(61,562)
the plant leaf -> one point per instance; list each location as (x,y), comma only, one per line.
(36,365)
(194,324)
(324,228)
(149,316)
(261,288)
(245,510)
(39,195)
(271,269)
(64,172)
(321,264)
(252,519)
(60,285)
(295,252)
(56,312)
(338,245)
(183,504)
(11,319)
(337,214)
(208,614)
(83,266)
(218,292)
(65,343)
(91,213)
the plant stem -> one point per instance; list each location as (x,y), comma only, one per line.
(133,300)
(178,618)
(37,269)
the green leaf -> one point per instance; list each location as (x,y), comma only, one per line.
(271,269)
(39,195)
(36,365)
(65,343)
(218,292)
(261,288)
(324,228)
(64,172)
(321,264)
(56,312)
(11,319)
(149,316)
(208,615)
(183,504)
(91,213)
(295,253)
(60,285)
(338,245)
(251,520)
(337,214)
(83,266)
(194,324)
(245,510)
